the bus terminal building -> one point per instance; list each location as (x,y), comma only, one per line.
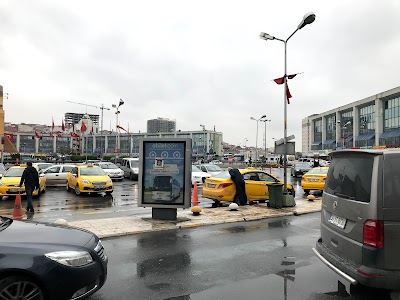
(373,122)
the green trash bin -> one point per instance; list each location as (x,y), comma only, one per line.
(275,191)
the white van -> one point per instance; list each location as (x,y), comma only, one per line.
(130,166)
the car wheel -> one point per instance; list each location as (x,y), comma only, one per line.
(306,192)
(109,192)
(20,287)
(68,188)
(77,190)
(216,203)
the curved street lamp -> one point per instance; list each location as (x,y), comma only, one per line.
(307,19)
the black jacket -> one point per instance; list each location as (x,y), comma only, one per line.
(30,177)
(236,176)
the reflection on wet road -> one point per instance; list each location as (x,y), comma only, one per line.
(58,203)
(268,259)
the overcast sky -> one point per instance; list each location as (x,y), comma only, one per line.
(199,62)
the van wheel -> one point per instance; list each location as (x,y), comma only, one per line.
(130,176)
(20,287)
(67,186)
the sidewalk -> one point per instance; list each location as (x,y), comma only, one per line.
(112,227)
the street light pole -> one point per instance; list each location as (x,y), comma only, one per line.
(121,102)
(244,142)
(265,136)
(257,120)
(307,19)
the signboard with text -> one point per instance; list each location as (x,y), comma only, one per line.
(165,173)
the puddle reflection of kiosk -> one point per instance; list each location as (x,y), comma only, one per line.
(165,176)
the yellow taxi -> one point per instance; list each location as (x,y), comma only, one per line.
(314,179)
(221,188)
(9,182)
(89,179)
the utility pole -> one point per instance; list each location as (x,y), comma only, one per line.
(102,119)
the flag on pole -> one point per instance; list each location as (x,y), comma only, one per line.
(52,135)
(62,125)
(52,123)
(83,126)
(37,135)
(74,134)
(281,80)
(59,134)
(120,127)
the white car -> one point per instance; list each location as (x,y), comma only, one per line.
(111,169)
(56,175)
(211,169)
(198,175)
(216,162)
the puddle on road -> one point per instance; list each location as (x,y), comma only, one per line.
(314,282)
(255,227)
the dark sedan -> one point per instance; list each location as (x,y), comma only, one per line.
(300,168)
(49,261)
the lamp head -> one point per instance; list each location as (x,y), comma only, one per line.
(307,19)
(266,36)
(263,116)
(252,118)
(121,102)
(113,105)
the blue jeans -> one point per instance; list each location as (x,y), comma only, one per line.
(29,191)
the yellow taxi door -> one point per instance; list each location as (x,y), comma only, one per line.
(265,179)
(253,187)
(73,178)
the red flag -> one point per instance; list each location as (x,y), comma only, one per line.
(59,134)
(37,135)
(73,134)
(83,126)
(288,94)
(279,80)
(62,125)
(52,135)
(52,123)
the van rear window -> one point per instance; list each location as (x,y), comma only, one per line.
(350,177)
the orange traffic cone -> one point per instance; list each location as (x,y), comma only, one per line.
(195,198)
(17,208)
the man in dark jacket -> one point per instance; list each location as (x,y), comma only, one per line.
(238,180)
(30,177)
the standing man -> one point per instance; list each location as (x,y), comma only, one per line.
(30,177)
(238,180)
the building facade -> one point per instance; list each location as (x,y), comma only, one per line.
(161,125)
(203,142)
(367,123)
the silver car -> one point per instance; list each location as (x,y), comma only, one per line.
(56,175)
(360,217)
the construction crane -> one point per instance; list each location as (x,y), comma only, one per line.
(102,110)
(101,107)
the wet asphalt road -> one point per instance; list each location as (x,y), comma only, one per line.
(268,259)
(57,203)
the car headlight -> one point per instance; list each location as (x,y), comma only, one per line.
(109,181)
(71,258)
(297,170)
(86,181)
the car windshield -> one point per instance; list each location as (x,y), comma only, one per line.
(302,165)
(14,172)
(108,166)
(44,166)
(4,223)
(134,164)
(214,169)
(318,171)
(92,171)
(223,175)
(195,169)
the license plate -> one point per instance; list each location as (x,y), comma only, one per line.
(15,190)
(99,187)
(337,221)
(313,179)
(211,185)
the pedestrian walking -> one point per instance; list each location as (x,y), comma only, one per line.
(30,178)
(238,180)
